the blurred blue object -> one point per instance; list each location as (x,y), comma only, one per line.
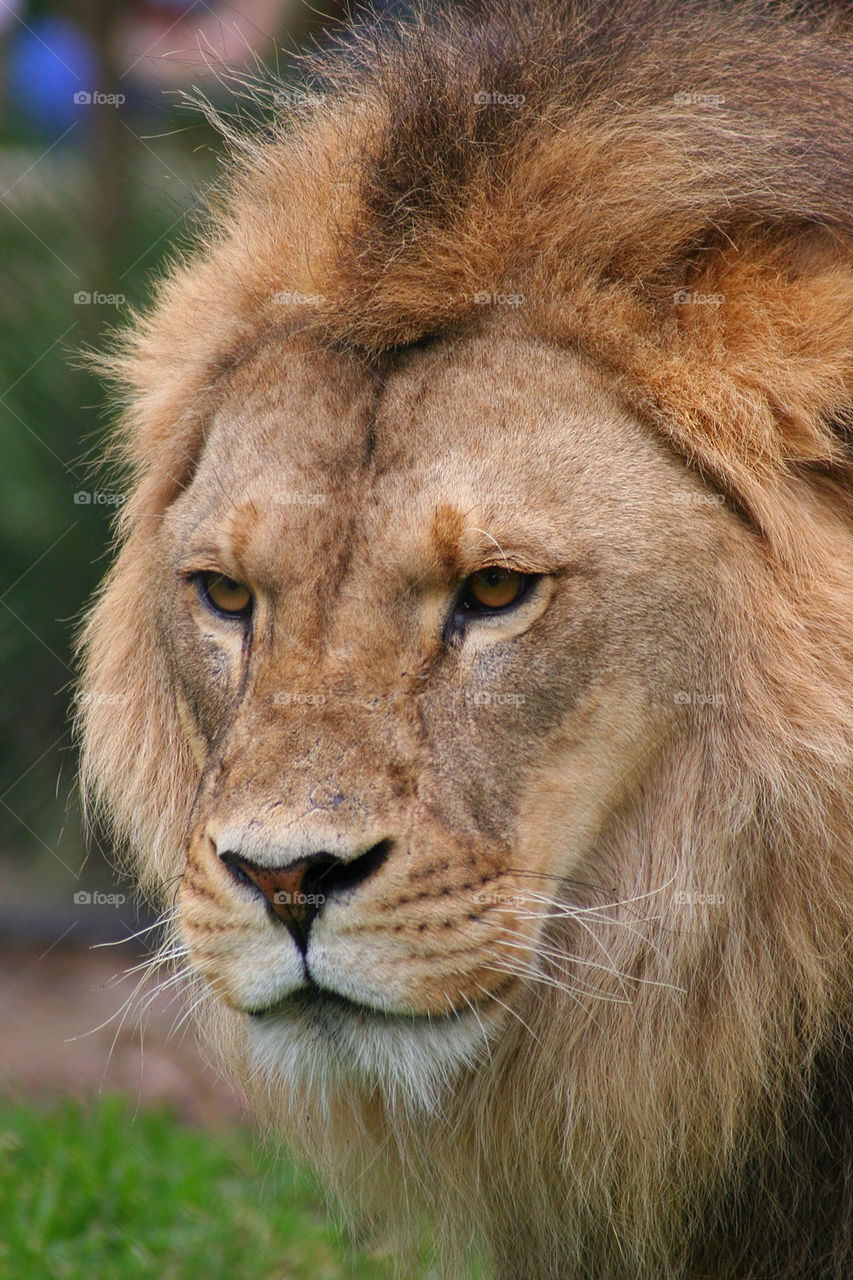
(47,63)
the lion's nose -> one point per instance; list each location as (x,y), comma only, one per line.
(293,892)
(297,891)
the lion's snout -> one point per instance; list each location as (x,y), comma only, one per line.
(297,891)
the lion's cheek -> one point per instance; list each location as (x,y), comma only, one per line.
(448,966)
(247,963)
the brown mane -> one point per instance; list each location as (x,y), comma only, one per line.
(394,198)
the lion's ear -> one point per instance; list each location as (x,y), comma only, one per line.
(753,372)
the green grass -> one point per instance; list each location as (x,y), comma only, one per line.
(94,1193)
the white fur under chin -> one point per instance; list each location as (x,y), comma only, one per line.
(413,1061)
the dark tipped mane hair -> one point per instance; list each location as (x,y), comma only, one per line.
(623,153)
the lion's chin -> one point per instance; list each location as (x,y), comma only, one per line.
(320,1039)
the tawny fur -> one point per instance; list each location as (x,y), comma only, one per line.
(687,1110)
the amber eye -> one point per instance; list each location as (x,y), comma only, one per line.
(224,595)
(493,588)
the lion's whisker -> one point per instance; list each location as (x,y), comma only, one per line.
(513,1012)
(476,1014)
(150,963)
(572,958)
(186,1015)
(529,970)
(160,923)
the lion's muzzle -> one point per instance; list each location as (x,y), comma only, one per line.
(297,891)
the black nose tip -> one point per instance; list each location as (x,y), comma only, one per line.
(297,891)
(292,892)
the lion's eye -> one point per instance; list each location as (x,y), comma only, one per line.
(224,595)
(492,588)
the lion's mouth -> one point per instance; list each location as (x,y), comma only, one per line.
(312,1000)
(316,1037)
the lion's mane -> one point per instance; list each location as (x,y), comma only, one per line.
(617,165)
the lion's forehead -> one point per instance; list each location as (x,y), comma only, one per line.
(448,455)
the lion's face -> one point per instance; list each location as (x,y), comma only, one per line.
(405,759)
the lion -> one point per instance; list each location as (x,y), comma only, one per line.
(486,733)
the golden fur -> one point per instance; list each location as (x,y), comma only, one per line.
(593,1009)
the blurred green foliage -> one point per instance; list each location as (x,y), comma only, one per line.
(90,1193)
(62,235)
